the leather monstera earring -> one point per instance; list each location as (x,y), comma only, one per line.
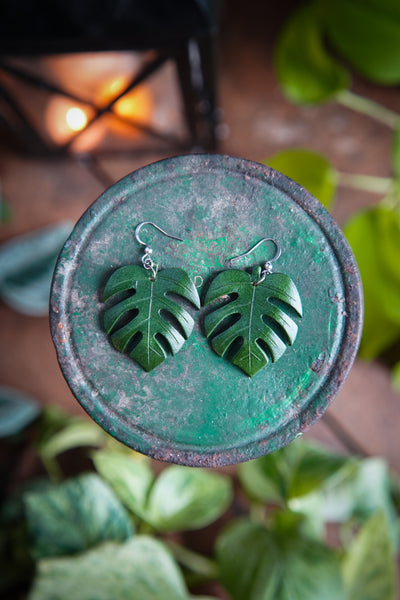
(254,325)
(149,322)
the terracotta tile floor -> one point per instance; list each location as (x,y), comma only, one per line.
(258,122)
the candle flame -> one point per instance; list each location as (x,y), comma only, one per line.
(76,118)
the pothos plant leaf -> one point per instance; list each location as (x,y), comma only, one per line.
(310,169)
(305,70)
(366,34)
(149,321)
(138,569)
(255,325)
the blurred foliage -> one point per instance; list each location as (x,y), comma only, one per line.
(26,267)
(139,569)
(290,473)
(367,36)
(374,236)
(104,535)
(395,154)
(17,410)
(310,169)
(368,552)
(179,499)
(277,562)
(305,70)
(74,516)
(5,212)
(396,377)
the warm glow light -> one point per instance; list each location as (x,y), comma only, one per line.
(76,119)
(136,105)
(67,121)
(64,119)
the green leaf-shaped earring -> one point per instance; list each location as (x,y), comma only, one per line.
(255,323)
(149,322)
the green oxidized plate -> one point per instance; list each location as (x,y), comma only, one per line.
(197,408)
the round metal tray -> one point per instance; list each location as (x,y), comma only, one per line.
(197,408)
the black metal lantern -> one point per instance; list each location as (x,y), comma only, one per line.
(180,31)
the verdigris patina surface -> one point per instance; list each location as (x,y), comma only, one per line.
(196,408)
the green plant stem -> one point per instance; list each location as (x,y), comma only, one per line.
(391,202)
(367,183)
(368,107)
(194,580)
(145,528)
(52,467)
(257,512)
(195,562)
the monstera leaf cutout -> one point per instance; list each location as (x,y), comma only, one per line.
(255,325)
(149,321)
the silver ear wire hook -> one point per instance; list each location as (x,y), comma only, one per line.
(139,227)
(147,261)
(268,265)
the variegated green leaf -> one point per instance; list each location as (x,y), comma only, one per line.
(149,322)
(74,515)
(255,325)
